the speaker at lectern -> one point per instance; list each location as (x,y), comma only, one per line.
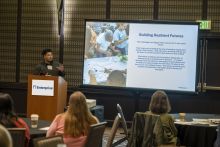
(46,96)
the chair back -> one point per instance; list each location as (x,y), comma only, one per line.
(94,137)
(118,119)
(123,121)
(113,131)
(48,141)
(18,136)
(146,130)
(217,141)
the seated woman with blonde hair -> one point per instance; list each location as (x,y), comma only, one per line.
(73,124)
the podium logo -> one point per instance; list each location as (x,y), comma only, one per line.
(43,87)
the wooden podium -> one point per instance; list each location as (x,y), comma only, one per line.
(46,96)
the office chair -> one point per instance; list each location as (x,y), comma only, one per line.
(118,119)
(48,141)
(123,121)
(18,136)
(94,137)
(146,130)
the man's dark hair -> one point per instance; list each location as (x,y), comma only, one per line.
(45,50)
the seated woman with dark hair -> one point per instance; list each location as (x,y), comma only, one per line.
(8,118)
(160,105)
(73,124)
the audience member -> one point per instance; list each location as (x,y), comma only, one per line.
(120,38)
(73,124)
(48,66)
(160,105)
(5,137)
(8,118)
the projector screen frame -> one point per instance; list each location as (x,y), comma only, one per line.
(144,22)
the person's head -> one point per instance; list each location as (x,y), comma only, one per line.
(121,26)
(116,78)
(47,55)
(5,137)
(89,42)
(88,37)
(159,103)
(78,118)
(6,104)
(6,110)
(77,103)
(108,35)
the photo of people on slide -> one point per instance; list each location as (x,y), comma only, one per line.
(106,39)
(106,71)
(106,50)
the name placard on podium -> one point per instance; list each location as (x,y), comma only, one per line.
(43,87)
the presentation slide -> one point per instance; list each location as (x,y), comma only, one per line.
(151,55)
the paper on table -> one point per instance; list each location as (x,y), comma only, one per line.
(197,121)
(45,128)
(184,122)
(194,123)
(214,121)
(201,121)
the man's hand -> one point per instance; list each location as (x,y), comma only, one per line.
(60,68)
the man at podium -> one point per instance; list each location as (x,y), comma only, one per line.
(48,66)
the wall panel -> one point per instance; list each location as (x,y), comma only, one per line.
(185,10)
(75,13)
(131,9)
(8,30)
(39,29)
(214,14)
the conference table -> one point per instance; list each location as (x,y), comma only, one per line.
(198,130)
(195,131)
